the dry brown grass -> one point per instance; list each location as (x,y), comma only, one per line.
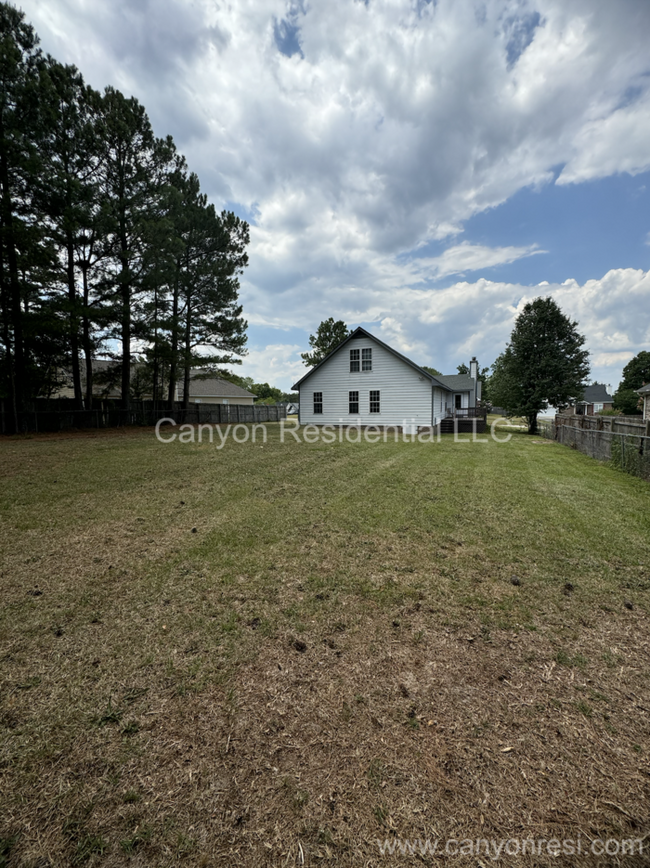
(336,656)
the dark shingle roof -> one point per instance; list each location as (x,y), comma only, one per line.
(213,387)
(456,382)
(597,394)
(644,390)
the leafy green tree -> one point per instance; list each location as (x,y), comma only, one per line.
(432,371)
(266,394)
(327,338)
(544,363)
(635,374)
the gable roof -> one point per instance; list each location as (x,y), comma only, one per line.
(361,332)
(457,382)
(213,387)
(596,394)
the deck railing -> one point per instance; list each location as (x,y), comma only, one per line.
(466,413)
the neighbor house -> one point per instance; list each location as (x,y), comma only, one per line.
(366,382)
(644,392)
(213,390)
(595,399)
(204,388)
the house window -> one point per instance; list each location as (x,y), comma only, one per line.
(366,360)
(458,401)
(374,402)
(318,402)
(598,408)
(354,360)
(353,401)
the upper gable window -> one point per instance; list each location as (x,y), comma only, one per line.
(366,359)
(354,360)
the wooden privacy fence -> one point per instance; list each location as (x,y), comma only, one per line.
(59,415)
(613,424)
(624,441)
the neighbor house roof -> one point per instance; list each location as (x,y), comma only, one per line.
(644,390)
(456,382)
(362,332)
(213,387)
(596,394)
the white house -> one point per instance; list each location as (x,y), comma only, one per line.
(366,382)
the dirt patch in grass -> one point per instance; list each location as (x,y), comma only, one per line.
(336,659)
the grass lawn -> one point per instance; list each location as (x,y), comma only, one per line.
(280,654)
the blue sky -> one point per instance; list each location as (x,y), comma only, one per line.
(421,168)
(586,229)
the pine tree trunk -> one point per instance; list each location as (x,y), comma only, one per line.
(74,326)
(87,344)
(186,357)
(125,293)
(6,339)
(173,364)
(14,310)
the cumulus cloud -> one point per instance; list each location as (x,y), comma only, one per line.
(357,135)
(406,116)
(276,364)
(444,327)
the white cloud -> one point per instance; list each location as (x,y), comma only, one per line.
(274,363)
(398,122)
(473,257)
(447,326)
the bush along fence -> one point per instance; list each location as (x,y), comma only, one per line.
(48,415)
(622,440)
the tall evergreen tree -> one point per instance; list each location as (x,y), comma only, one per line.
(72,160)
(135,170)
(103,234)
(205,311)
(20,59)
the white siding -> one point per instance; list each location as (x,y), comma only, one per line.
(439,396)
(406,396)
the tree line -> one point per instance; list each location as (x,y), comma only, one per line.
(106,239)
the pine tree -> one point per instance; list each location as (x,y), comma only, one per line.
(70,197)
(205,311)
(135,170)
(327,338)
(20,60)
